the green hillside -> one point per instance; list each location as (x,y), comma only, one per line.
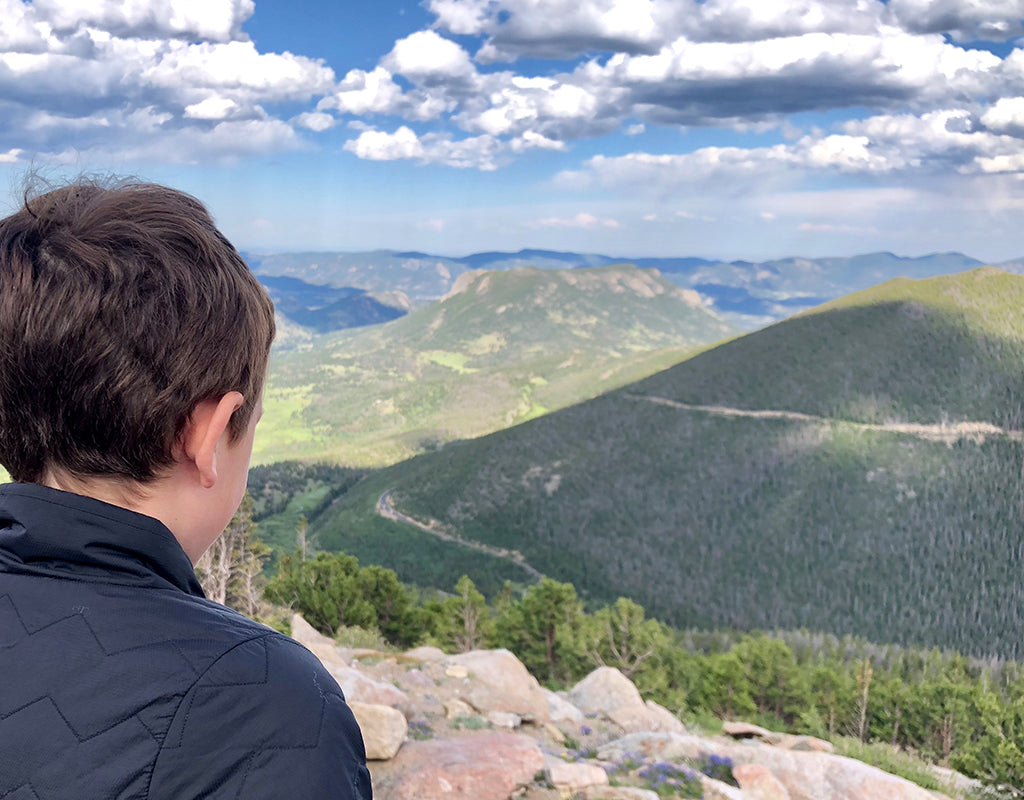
(844,471)
(500,348)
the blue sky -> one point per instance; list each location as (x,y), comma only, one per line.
(724,128)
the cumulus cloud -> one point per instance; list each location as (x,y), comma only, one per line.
(703,82)
(145,78)
(560,28)
(568,28)
(963,19)
(937,143)
(716,63)
(484,152)
(212,20)
(426,58)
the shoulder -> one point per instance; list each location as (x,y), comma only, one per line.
(266,713)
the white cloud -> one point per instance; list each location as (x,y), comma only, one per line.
(1006,116)
(376,92)
(425,58)
(828,227)
(962,19)
(560,28)
(211,108)
(375,145)
(237,68)
(581,220)
(125,77)
(315,121)
(214,20)
(934,143)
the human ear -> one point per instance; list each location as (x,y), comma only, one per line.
(207,423)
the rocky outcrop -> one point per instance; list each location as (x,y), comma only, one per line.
(364,689)
(805,775)
(478,726)
(758,783)
(568,776)
(606,691)
(489,766)
(384,729)
(501,683)
(319,645)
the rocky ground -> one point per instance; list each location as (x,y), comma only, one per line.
(478,726)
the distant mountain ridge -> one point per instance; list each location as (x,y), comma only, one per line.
(500,347)
(854,469)
(750,294)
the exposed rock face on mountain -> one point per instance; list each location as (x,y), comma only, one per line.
(477,726)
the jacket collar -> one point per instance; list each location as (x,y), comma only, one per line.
(45,531)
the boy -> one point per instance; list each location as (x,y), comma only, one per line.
(133,349)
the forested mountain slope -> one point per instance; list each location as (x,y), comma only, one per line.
(500,348)
(856,469)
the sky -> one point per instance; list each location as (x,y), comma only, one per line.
(724,129)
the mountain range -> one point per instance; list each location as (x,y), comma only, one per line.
(854,469)
(500,348)
(749,294)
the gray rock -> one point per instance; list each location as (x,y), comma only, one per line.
(359,687)
(486,766)
(603,690)
(323,647)
(384,729)
(571,777)
(426,654)
(560,709)
(500,682)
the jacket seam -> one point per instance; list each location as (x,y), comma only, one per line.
(262,635)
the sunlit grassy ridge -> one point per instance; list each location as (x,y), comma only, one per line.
(712,520)
(500,349)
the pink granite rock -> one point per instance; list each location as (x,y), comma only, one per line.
(488,766)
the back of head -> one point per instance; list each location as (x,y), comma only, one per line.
(121,308)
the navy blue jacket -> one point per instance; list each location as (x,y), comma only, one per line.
(119,680)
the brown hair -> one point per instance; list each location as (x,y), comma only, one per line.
(121,308)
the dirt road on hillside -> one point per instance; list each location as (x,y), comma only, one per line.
(947,433)
(436,528)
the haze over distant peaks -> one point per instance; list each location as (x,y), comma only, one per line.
(749,294)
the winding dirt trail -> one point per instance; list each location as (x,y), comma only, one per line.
(437,529)
(947,433)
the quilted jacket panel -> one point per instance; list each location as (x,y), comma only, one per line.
(120,680)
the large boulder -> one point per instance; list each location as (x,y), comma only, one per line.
(821,776)
(560,709)
(426,653)
(806,775)
(608,692)
(489,766)
(498,681)
(716,790)
(604,690)
(647,717)
(363,689)
(758,783)
(659,746)
(384,729)
(571,777)
(323,647)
